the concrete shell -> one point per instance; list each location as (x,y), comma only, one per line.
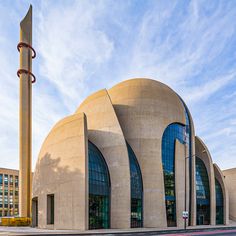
(61,170)
(219,176)
(203,153)
(105,132)
(137,111)
(144,109)
(230,179)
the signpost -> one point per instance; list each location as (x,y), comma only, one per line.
(185,217)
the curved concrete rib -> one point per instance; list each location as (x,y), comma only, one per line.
(105,132)
(203,153)
(61,170)
(219,176)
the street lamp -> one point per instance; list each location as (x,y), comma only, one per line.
(185,188)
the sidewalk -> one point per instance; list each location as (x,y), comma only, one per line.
(34,231)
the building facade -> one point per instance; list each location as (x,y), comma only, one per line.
(128,157)
(9,192)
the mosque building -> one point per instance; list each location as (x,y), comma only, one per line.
(128,158)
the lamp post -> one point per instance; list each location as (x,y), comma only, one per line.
(185,187)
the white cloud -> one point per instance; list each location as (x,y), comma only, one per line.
(71,47)
(204,91)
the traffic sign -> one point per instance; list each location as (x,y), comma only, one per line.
(185,215)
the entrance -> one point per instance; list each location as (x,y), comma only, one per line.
(98,212)
(201,219)
(171,214)
(35,212)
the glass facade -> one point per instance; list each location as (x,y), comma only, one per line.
(136,190)
(172,132)
(202,193)
(99,190)
(219,203)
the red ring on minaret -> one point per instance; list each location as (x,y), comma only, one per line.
(20,71)
(22,44)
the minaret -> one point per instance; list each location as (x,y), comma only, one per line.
(26,78)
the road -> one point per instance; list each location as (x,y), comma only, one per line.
(208,232)
(196,232)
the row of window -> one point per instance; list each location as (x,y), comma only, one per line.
(10,192)
(9,212)
(9,180)
(9,205)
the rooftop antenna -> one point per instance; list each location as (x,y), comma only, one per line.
(26,78)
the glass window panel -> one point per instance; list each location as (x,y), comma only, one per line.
(171,134)
(11,180)
(219,203)
(136,190)
(202,193)
(99,190)
(16,181)
(6,180)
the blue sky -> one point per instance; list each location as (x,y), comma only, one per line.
(84,46)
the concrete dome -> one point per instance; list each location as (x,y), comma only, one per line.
(138,91)
(140,95)
(143,88)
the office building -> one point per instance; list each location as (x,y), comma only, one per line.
(9,192)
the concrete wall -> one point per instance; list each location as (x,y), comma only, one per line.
(230,180)
(144,109)
(180,153)
(105,132)
(61,170)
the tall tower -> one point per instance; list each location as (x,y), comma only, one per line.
(26,79)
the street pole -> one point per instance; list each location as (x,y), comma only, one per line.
(185,188)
